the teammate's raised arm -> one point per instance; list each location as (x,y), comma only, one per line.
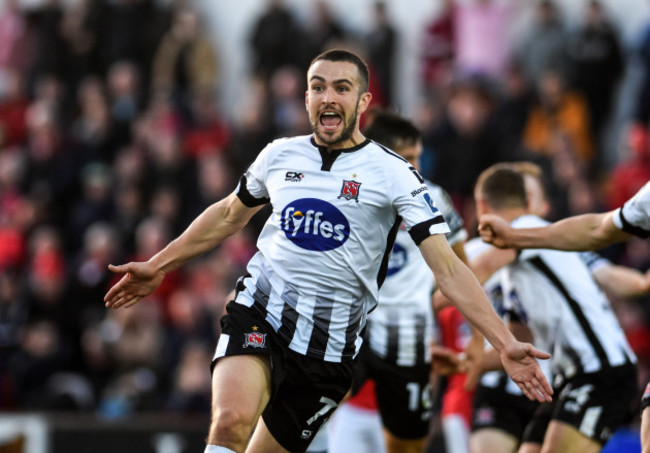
(583,232)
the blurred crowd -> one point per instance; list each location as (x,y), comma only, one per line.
(112,140)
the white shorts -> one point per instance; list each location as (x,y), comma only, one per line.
(354,429)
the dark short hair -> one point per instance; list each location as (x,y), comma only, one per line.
(392,130)
(502,188)
(349,57)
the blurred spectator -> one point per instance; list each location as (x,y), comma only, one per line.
(41,356)
(381,45)
(49,178)
(484,36)
(597,67)
(558,110)
(12,29)
(274,40)
(13,110)
(439,47)
(49,45)
(251,129)
(165,204)
(16,213)
(90,275)
(515,102)
(13,315)
(287,103)
(544,44)
(92,130)
(94,205)
(208,132)
(190,322)
(192,386)
(121,35)
(125,99)
(216,179)
(185,63)
(80,43)
(324,29)
(135,340)
(151,235)
(629,175)
(465,142)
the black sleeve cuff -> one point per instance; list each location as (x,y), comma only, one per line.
(420,231)
(634,230)
(245,196)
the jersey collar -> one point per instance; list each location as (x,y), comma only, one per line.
(330,156)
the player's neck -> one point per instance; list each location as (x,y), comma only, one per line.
(509,214)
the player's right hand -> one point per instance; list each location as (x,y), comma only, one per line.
(494,230)
(139,280)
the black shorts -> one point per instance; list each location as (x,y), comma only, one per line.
(494,408)
(403,394)
(597,404)
(536,427)
(304,391)
(645,399)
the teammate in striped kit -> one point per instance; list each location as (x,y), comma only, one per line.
(584,232)
(593,366)
(289,339)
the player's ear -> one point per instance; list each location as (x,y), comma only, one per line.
(364,102)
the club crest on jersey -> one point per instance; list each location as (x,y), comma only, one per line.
(254,339)
(350,190)
(294,176)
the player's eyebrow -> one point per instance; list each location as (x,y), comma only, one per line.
(336,82)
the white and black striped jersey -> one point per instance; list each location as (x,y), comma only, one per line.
(493,288)
(400,330)
(323,252)
(565,309)
(634,216)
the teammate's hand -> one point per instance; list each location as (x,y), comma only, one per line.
(445,361)
(494,230)
(474,352)
(140,280)
(519,361)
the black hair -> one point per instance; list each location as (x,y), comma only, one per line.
(347,56)
(392,130)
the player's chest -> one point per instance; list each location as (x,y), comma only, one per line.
(345,186)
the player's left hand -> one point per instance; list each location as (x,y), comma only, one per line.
(445,361)
(519,361)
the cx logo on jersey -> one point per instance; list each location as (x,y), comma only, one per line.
(314,224)
(350,190)
(294,176)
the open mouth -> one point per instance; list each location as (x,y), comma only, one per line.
(330,120)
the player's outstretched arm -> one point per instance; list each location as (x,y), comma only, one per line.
(622,281)
(458,283)
(208,230)
(583,232)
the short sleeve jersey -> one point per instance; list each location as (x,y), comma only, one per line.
(567,312)
(634,216)
(401,329)
(323,252)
